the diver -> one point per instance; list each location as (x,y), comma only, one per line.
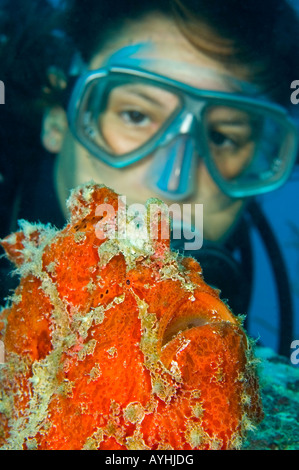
(179,100)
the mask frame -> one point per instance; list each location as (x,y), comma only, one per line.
(187,120)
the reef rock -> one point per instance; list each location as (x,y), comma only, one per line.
(279,382)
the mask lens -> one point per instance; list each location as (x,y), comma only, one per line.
(245,147)
(123,116)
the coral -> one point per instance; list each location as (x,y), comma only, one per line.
(116,342)
(279,380)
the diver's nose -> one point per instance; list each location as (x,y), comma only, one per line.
(172,173)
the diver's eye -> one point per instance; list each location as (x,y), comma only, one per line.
(135,117)
(219,139)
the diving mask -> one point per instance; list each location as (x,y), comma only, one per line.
(125,114)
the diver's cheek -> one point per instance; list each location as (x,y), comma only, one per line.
(220,212)
(209,193)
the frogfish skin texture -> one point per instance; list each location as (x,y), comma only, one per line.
(117,342)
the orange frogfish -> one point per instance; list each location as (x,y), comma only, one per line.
(113,341)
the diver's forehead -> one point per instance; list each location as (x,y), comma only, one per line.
(157,45)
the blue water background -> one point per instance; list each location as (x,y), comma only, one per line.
(282,210)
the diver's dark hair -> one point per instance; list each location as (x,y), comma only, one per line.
(30,37)
(91,23)
(260,37)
